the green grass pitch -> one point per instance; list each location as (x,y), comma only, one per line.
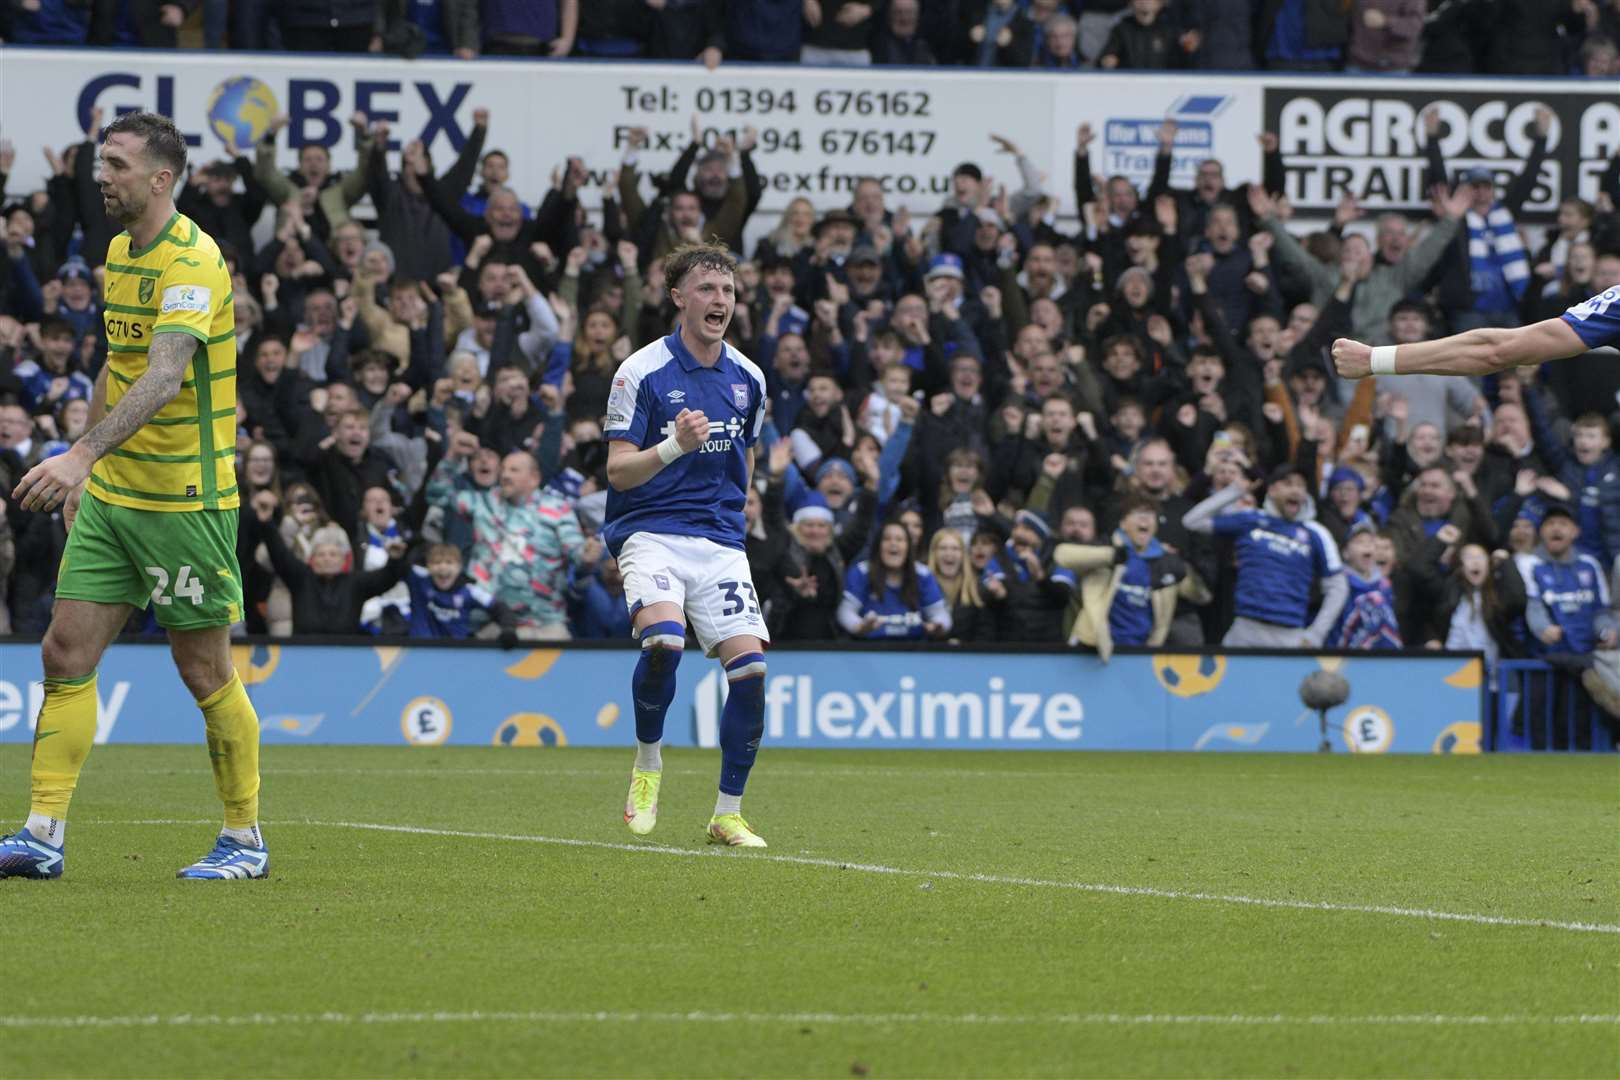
(917,914)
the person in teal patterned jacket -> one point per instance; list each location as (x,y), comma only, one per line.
(524,539)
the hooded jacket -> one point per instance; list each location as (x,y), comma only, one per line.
(1102,571)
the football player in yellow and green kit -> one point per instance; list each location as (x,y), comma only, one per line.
(149,496)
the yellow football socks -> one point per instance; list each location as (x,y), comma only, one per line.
(62,740)
(233,750)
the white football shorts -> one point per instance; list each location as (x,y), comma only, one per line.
(710,583)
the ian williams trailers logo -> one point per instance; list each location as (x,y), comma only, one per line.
(1372,145)
(1131,143)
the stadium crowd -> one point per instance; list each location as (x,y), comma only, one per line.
(985,425)
(1508,37)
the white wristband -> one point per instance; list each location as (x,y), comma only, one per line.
(1383,360)
(669,450)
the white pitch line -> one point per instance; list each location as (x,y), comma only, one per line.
(947,875)
(777,770)
(827,1018)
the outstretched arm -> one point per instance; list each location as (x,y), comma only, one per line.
(1474,352)
(52,480)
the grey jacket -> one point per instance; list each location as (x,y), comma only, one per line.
(1369,307)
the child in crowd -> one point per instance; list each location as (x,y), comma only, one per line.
(1368,620)
(444,603)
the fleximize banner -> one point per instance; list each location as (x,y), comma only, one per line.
(849,698)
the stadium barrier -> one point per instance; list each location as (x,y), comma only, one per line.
(841,697)
(1537,706)
(819,129)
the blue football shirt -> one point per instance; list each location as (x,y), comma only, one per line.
(896,619)
(1574,593)
(1597,320)
(1277,562)
(700,494)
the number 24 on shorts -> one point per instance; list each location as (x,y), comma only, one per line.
(734,600)
(187,585)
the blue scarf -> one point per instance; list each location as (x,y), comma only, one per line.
(1498,266)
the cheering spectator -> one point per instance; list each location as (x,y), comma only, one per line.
(54,378)
(1368,620)
(210,199)
(971,621)
(326,597)
(892,596)
(1587,468)
(1027,594)
(1128,591)
(523,537)
(1568,617)
(443,603)
(1489,270)
(1283,555)
(1482,601)
(1381,286)
(313,192)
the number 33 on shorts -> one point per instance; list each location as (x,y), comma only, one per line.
(734,601)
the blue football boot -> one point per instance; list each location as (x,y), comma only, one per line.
(231,860)
(22,856)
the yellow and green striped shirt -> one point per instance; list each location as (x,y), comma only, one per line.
(184,457)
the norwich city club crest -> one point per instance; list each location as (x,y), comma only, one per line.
(148,286)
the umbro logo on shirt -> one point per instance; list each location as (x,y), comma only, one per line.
(677,395)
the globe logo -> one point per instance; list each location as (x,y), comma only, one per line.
(240,110)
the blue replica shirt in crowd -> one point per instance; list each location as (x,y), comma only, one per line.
(443,613)
(1277,562)
(1130,617)
(1573,593)
(1588,512)
(702,493)
(895,618)
(36,382)
(1597,321)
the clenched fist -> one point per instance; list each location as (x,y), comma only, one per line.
(691,430)
(1352,359)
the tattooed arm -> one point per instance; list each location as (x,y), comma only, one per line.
(49,483)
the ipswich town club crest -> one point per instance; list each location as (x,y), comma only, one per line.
(148,286)
(739,395)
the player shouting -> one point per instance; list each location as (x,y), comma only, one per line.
(1588,325)
(157,522)
(683,418)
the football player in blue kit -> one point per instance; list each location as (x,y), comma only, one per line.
(683,418)
(1588,325)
